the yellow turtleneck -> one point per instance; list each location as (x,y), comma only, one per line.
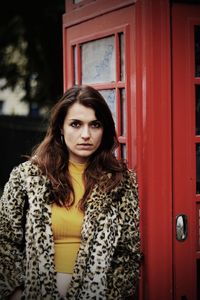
(66,224)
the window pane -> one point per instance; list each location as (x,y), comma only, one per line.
(75,64)
(109,96)
(198,226)
(123,151)
(198,168)
(198,110)
(198,276)
(77,1)
(197,51)
(98,61)
(122,56)
(123,111)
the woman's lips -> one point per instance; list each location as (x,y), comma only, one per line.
(84,146)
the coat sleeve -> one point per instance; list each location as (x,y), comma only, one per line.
(125,268)
(12,205)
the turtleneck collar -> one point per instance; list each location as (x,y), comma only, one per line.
(77,167)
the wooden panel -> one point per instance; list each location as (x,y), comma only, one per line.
(153,93)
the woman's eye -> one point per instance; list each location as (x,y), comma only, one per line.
(96,124)
(75,124)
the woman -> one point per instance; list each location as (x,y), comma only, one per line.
(69,216)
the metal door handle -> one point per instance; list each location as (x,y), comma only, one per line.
(181,227)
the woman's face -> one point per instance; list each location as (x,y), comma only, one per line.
(82,132)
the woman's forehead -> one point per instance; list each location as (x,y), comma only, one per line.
(78,111)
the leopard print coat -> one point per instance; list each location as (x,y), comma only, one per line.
(107,265)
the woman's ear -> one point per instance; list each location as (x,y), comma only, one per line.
(61,131)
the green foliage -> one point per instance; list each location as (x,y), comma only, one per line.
(31,49)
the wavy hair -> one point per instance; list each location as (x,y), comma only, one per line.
(52,156)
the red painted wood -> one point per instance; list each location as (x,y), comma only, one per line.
(184,18)
(89,9)
(154,147)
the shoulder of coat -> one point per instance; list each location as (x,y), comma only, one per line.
(131,177)
(28,168)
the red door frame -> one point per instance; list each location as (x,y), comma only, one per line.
(151,87)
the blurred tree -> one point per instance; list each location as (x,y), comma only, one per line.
(31,49)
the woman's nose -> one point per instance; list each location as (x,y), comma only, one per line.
(85,134)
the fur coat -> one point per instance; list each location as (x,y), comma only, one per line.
(107,265)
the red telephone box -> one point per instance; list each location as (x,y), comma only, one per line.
(144,57)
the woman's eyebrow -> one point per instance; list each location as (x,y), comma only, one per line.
(95,120)
(80,120)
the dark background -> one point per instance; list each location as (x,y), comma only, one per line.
(32,32)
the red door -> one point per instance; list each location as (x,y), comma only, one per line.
(186,151)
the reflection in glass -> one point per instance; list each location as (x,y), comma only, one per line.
(197,50)
(98,60)
(75,64)
(198,168)
(123,111)
(198,110)
(123,151)
(109,96)
(122,56)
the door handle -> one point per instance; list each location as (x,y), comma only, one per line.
(181,227)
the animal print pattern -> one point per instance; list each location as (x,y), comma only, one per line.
(108,261)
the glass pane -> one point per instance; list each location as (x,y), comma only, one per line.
(198,110)
(198,168)
(109,96)
(75,64)
(197,51)
(123,151)
(122,56)
(98,60)
(198,227)
(198,278)
(123,111)
(77,1)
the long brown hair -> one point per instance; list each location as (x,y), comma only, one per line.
(52,155)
